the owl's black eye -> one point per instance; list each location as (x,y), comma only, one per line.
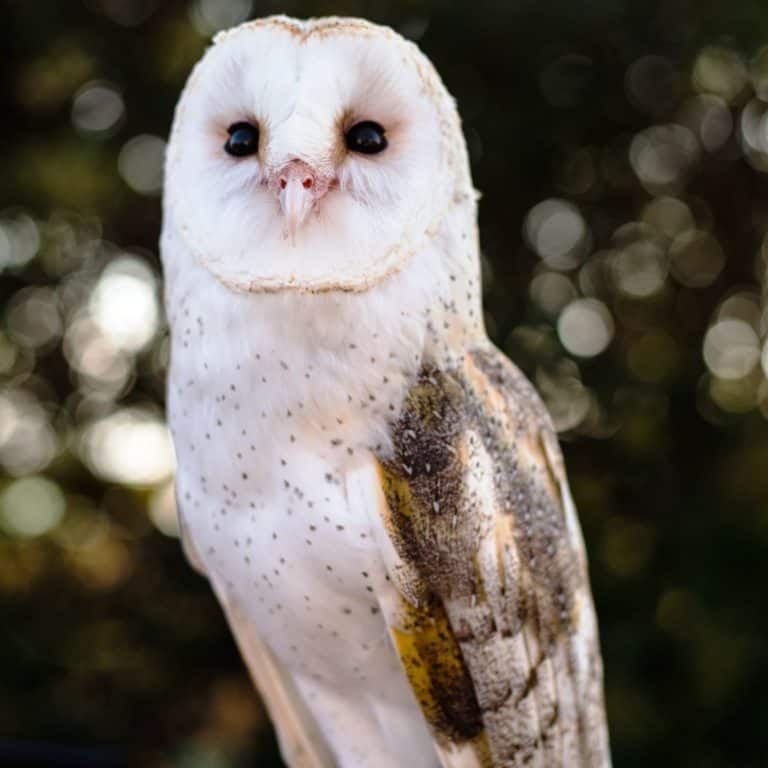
(366,137)
(243,140)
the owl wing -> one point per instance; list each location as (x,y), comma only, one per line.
(486,595)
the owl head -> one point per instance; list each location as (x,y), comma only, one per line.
(311,156)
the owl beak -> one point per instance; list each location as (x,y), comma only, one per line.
(298,188)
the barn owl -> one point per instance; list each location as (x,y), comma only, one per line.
(374,492)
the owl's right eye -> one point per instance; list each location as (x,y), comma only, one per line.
(243,140)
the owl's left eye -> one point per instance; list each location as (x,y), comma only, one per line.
(366,137)
(243,140)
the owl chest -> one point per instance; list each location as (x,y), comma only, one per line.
(299,561)
(263,502)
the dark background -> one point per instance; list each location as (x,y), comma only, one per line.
(633,297)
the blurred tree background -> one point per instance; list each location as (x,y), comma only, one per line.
(622,151)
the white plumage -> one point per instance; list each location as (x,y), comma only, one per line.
(309,331)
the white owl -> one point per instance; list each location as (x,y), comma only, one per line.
(374,492)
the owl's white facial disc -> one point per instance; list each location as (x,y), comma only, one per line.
(303,210)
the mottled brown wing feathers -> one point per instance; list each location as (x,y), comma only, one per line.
(495,626)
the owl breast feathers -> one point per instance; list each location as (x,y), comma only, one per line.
(374,492)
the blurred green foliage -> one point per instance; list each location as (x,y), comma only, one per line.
(621,148)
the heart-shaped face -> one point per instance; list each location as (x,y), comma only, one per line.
(311,156)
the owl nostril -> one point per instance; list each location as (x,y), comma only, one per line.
(308,182)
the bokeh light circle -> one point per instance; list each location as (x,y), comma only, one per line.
(19,239)
(557,232)
(130,446)
(585,327)
(141,164)
(551,291)
(33,317)
(97,108)
(668,216)
(722,72)
(124,304)
(696,258)
(663,157)
(640,269)
(31,506)
(731,349)
(209,16)
(709,118)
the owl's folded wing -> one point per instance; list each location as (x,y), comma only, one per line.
(487,595)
